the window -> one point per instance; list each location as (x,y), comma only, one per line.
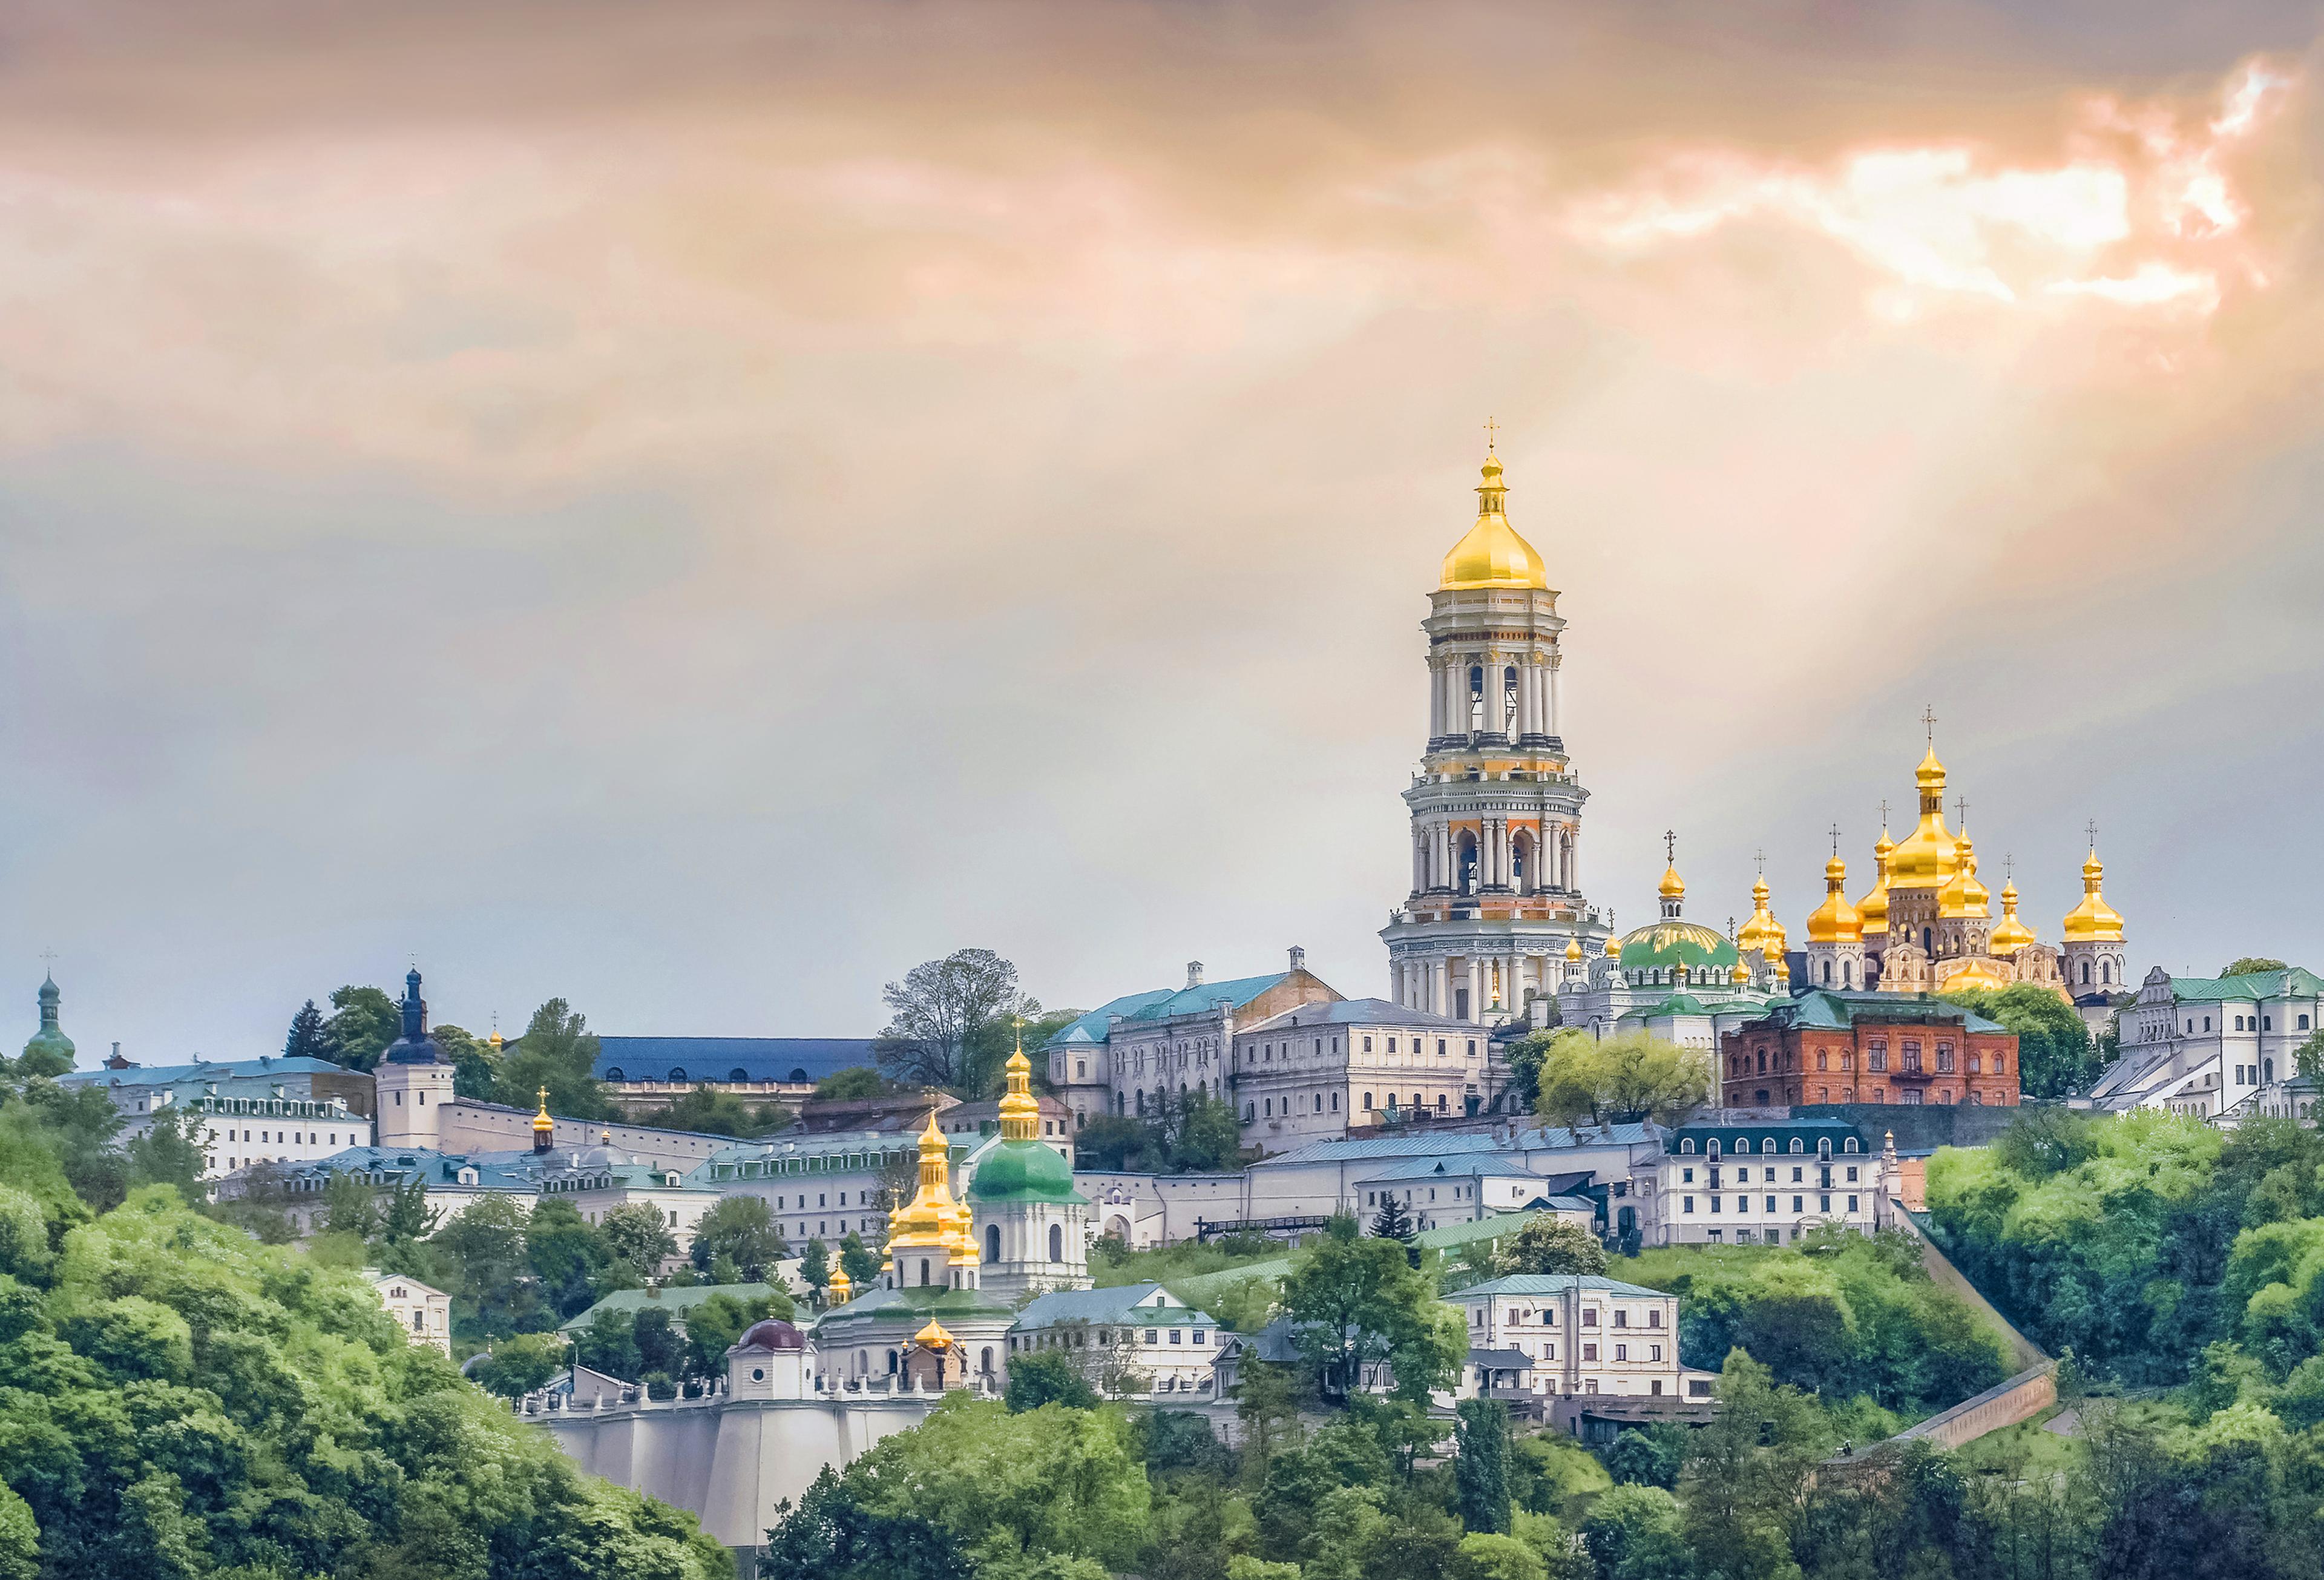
(1590,1317)
(1687,1146)
(1177,1336)
(1151,1334)
(1686,1205)
(1368,1104)
(1621,1352)
(1590,1353)
(1367,1045)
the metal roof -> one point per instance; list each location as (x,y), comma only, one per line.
(1556,1284)
(685,1060)
(272,1067)
(1549,1138)
(1113,1305)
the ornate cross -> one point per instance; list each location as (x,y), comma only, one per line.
(2092,829)
(1835,839)
(1928,718)
(49,956)
(1670,846)
(1960,811)
(1491,428)
(1883,812)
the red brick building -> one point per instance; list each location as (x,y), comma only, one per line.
(1909,1049)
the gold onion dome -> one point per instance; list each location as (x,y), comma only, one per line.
(932,1337)
(1835,921)
(2009,934)
(1574,949)
(1673,886)
(842,1288)
(1872,911)
(927,1221)
(542,1123)
(1740,976)
(1754,934)
(1020,1111)
(1928,855)
(2093,921)
(1964,896)
(1493,555)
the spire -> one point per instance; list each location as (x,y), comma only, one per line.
(2093,921)
(1021,1113)
(415,1008)
(544,1129)
(1835,921)
(1672,888)
(1928,856)
(49,1048)
(1872,911)
(2009,934)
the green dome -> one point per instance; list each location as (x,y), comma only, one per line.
(1023,1171)
(49,1049)
(1662,945)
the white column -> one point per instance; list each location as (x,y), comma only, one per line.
(1440,993)
(1419,860)
(1553,696)
(1528,699)
(1476,988)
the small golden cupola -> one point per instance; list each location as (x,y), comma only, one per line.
(1573,951)
(1835,921)
(2009,934)
(927,1222)
(1020,1111)
(1762,932)
(842,1288)
(1671,889)
(2093,921)
(1964,898)
(934,1336)
(1872,911)
(1740,977)
(1930,854)
(1491,554)
(544,1129)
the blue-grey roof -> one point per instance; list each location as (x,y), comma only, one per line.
(1548,1138)
(1468,1167)
(1760,1133)
(1112,1304)
(1555,1284)
(727,1059)
(1366,1012)
(271,1068)
(1236,991)
(1091,1028)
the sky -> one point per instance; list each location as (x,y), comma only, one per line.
(695,509)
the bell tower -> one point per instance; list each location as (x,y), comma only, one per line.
(1496,809)
(412,1084)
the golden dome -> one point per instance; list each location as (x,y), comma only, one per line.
(1754,934)
(1928,855)
(541,1123)
(1741,975)
(1493,555)
(2093,921)
(2009,934)
(1574,949)
(927,1222)
(1835,921)
(1964,896)
(932,1337)
(1972,971)
(841,1287)
(1673,886)
(1872,911)
(1021,1113)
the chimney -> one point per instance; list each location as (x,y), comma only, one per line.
(116,1062)
(1299,958)
(1193,974)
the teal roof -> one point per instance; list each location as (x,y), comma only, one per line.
(1236,991)
(1662,945)
(1557,1284)
(1091,1028)
(916,1305)
(1024,1171)
(1124,1304)
(1823,1010)
(2297,982)
(49,1039)
(676,1302)
(1201,1287)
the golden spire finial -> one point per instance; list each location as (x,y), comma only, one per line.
(1020,1111)
(1492,428)
(542,1121)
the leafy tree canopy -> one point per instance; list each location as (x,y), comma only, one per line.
(363,1022)
(951,1022)
(1548,1244)
(2251,966)
(853,1084)
(742,1229)
(1629,1076)
(558,1051)
(710,1112)
(2055,1055)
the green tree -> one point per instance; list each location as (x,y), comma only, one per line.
(1630,1075)
(708,1112)
(741,1227)
(1748,1473)
(1525,1056)
(815,1268)
(637,1233)
(1041,1377)
(1549,1244)
(558,1052)
(1392,1222)
(566,1254)
(520,1365)
(1049,1493)
(1647,1456)
(405,1214)
(308,1037)
(854,1085)
(1636,1533)
(1355,1302)
(860,1260)
(944,1018)
(363,1022)
(2054,1054)
(2252,965)
(1482,1465)
(491,1281)
(2308,1059)
(168,1151)
(716,1325)
(349,1207)
(475,1071)
(609,1343)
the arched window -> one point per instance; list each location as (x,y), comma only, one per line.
(615,1074)
(1847,974)
(736,1076)
(924,1272)
(1056,1243)
(1798,1145)
(984,1362)
(1686,1146)
(1852,1145)
(1509,701)
(1476,697)
(1249,1112)
(992,1242)
(2086,973)
(677,1074)
(1467,883)
(1827,973)
(891,1363)
(2106,972)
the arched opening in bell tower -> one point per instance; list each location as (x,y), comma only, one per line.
(1510,702)
(1476,698)
(1468,863)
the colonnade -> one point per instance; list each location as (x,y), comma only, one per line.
(1453,710)
(1548,860)
(1430,983)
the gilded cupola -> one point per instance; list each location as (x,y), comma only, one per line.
(1493,555)
(1930,854)
(1872,911)
(1754,935)
(1964,896)
(2093,921)
(1835,921)
(2009,934)
(929,1221)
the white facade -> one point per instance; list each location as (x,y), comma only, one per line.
(1712,1195)
(239,1133)
(1136,1342)
(2209,1046)
(1324,1070)
(1583,1334)
(424,1314)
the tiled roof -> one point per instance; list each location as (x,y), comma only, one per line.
(1366,1012)
(1236,991)
(1114,1305)
(916,1303)
(1824,1009)
(272,1068)
(1465,1167)
(2297,982)
(1091,1028)
(1556,1284)
(720,1059)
